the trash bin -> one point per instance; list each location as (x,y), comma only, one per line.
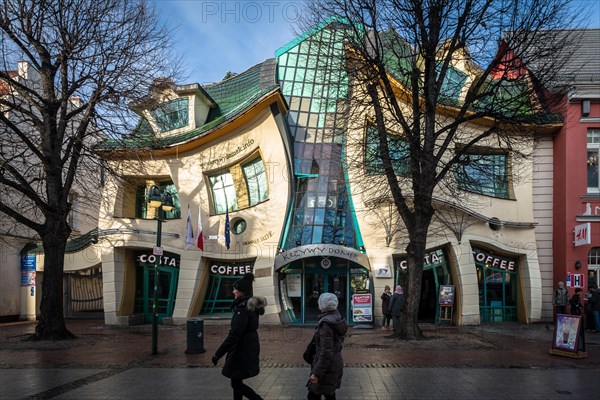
(195,336)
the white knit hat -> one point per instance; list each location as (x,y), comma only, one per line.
(328,302)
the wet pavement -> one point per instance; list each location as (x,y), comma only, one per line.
(503,360)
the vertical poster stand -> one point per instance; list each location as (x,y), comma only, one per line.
(569,338)
(446,303)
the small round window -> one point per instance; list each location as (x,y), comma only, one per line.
(238,226)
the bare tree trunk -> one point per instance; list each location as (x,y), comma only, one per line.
(51,325)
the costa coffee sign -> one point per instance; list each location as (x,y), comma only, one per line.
(231,269)
(493,260)
(165,260)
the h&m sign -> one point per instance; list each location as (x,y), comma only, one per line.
(583,234)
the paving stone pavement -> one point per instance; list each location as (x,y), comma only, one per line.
(504,361)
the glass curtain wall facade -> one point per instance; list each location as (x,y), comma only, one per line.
(314,83)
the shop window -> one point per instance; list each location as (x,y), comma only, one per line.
(256,181)
(483,173)
(144,211)
(240,186)
(219,292)
(171,115)
(593,147)
(498,286)
(398,149)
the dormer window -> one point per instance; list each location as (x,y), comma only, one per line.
(171,115)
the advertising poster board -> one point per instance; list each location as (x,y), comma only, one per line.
(362,309)
(28,270)
(294,285)
(567,333)
(446,295)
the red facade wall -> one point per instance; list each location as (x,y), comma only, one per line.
(570,192)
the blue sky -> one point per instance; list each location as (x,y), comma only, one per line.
(216,36)
(220,36)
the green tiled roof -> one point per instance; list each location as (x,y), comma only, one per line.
(233,96)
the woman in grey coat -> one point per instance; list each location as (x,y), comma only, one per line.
(328,366)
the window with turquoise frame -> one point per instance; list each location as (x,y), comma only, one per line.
(453,82)
(398,149)
(141,206)
(223,192)
(171,115)
(485,174)
(256,181)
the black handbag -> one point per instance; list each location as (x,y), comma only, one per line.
(309,353)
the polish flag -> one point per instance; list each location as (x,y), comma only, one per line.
(200,242)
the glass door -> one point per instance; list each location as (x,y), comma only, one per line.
(166,291)
(318,281)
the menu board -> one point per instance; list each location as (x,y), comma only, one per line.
(446,295)
(362,309)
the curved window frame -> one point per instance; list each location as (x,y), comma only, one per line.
(485,172)
(241,185)
(171,115)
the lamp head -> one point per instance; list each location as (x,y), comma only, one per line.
(154,197)
(167,202)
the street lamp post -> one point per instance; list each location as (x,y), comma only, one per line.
(162,202)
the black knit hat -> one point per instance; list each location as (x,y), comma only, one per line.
(244,284)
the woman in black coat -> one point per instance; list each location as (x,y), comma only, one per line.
(328,366)
(396,307)
(241,344)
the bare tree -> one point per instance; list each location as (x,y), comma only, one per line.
(80,63)
(398,57)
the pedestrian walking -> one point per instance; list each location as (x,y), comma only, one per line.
(575,302)
(328,366)
(386,296)
(241,344)
(560,298)
(396,308)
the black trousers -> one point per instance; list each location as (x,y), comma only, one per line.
(312,396)
(240,390)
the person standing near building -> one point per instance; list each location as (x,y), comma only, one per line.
(241,344)
(327,367)
(575,302)
(385,307)
(396,307)
(560,298)
(595,306)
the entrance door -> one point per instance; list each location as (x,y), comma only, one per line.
(166,293)
(317,281)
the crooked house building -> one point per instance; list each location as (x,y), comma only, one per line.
(258,166)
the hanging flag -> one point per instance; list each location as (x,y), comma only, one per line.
(200,241)
(227,238)
(189,234)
